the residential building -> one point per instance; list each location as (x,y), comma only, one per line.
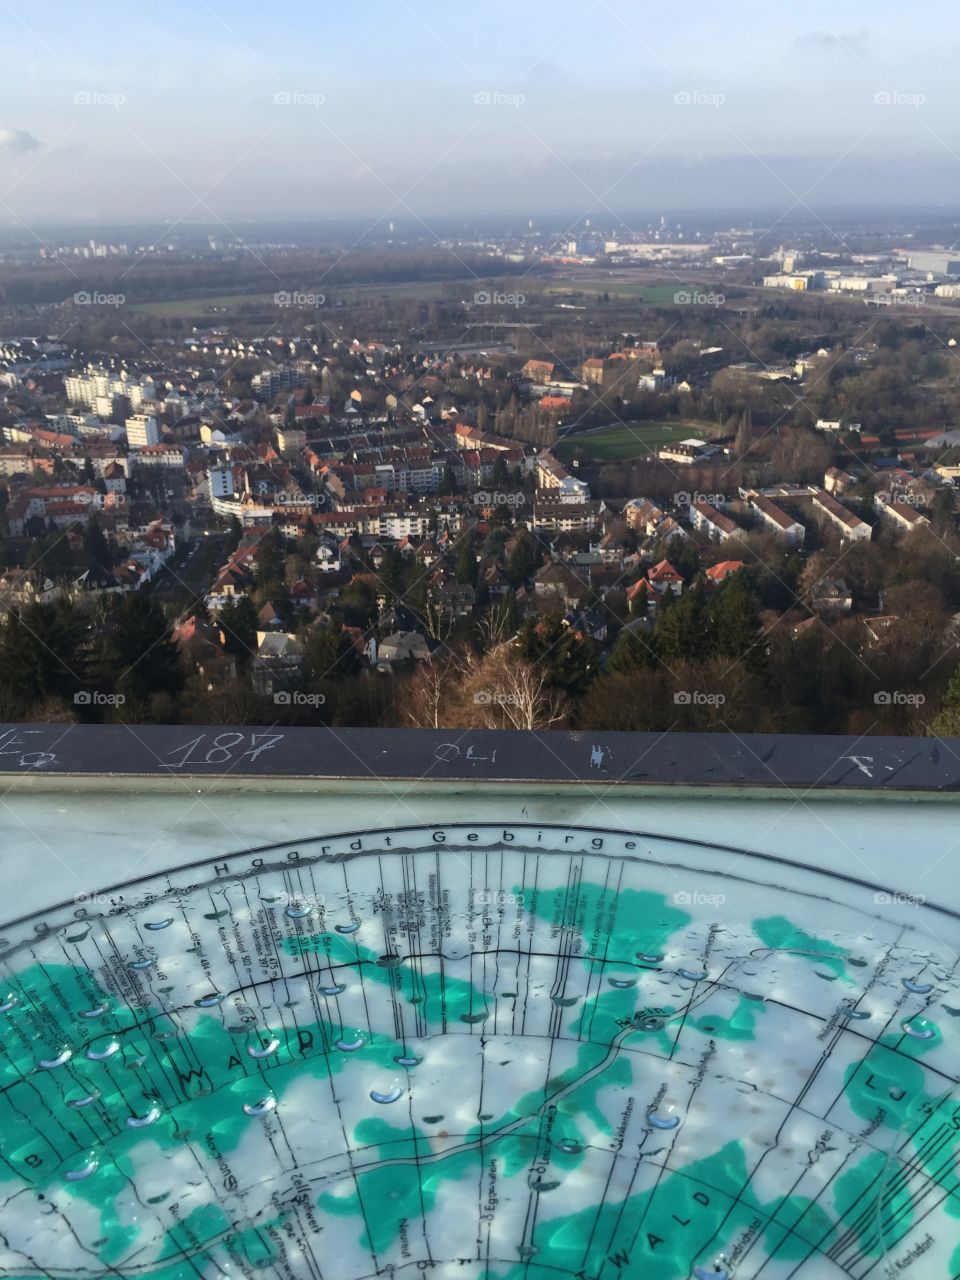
(142,430)
(776,521)
(850,526)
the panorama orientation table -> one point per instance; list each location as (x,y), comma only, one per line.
(345,1003)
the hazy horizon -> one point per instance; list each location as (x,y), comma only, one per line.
(412,111)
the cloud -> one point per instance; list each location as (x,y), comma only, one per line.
(17,140)
(852,41)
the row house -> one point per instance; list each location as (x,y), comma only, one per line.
(776,521)
(713,524)
(850,527)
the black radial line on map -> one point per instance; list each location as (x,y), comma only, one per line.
(411,931)
(565,949)
(528,953)
(416,1155)
(665,1166)
(794,1105)
(904,1173)
(621,1209)
(930,1183)
(154,1090)
(596,965)
(356,945)
(533,1199)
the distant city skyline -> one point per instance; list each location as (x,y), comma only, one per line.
(195,112)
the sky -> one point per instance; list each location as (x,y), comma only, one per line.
(205,111)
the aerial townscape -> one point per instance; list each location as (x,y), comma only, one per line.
(522,477)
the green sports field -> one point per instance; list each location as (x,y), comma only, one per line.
(631,440)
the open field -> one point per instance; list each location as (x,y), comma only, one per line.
(631,440)
(538,291)
(349,295)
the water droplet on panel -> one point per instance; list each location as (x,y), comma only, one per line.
(83,1171)
(261,1108)
(849,1011)
(59,1060)
(265,1050)
(148,1118)
(569,1146)
(919,1028)
(351,1046)
(108,1050)
(665,1121)
(392,1095)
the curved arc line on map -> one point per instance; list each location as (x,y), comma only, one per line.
(373,833)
